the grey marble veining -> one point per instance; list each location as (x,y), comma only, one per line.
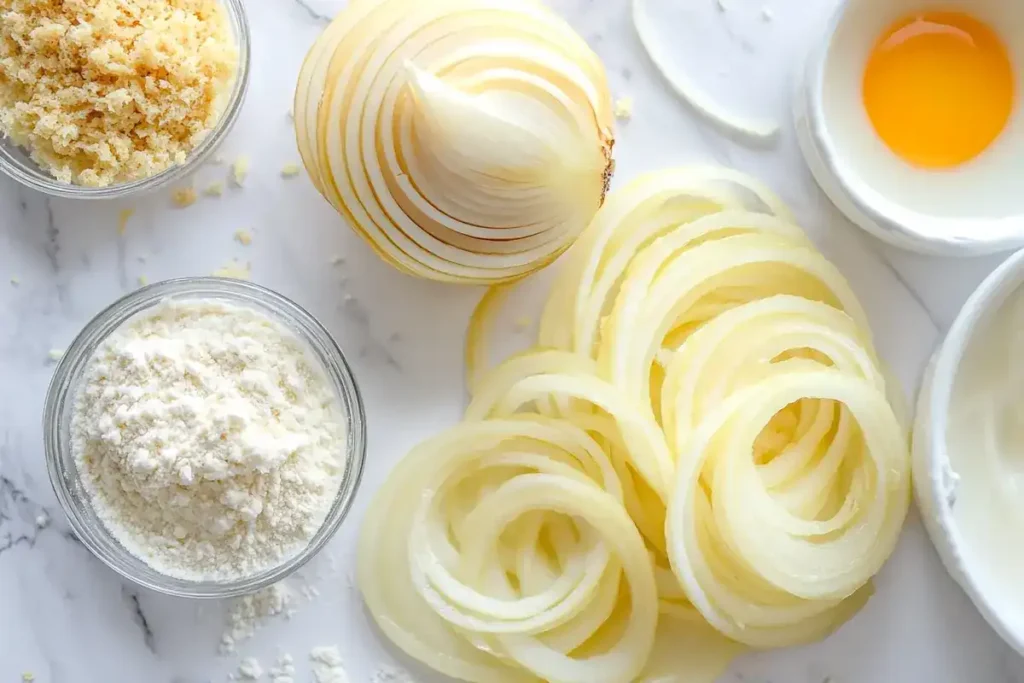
(67,619)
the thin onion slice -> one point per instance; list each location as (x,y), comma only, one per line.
(699,456)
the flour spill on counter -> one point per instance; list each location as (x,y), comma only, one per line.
(250,669)
(390,674)
(328,666)
(247,613)
(283,671)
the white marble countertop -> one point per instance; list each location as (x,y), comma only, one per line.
(67,619)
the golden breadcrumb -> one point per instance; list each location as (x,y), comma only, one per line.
(234,269)
(240,171)
(624,108)
(111,91)
(185,196)
(243,237)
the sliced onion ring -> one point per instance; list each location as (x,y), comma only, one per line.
(698,456)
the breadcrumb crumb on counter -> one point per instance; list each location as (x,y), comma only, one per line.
(290,170)
(234,269)
(240,171)
(110,91)
(182,197)
(624,108)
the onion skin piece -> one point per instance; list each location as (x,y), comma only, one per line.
(751,130)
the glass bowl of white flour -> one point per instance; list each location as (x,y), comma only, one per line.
(205,437)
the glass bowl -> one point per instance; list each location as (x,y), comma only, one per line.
(63,470)
(16,163)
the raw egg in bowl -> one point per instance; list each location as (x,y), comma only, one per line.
(909,117)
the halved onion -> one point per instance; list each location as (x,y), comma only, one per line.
(699,456)
(466,140)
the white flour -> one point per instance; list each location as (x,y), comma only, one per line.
(211,443)
(284,671)
(390,674)
(328,666)
(250,669)
(249,612)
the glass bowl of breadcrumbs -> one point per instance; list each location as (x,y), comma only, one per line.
(101,99)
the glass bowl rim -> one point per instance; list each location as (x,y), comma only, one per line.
(325,349)
(38,179)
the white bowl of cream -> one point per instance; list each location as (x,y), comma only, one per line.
(968,450)
(909,116)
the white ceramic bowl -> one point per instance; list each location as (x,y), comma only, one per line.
(935,482)
(976,208)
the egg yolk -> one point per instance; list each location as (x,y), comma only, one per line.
(938,88)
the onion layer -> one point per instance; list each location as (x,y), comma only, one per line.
(465,140)
(699,455)
(749,129)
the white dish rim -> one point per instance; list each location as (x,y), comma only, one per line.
(931,457)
